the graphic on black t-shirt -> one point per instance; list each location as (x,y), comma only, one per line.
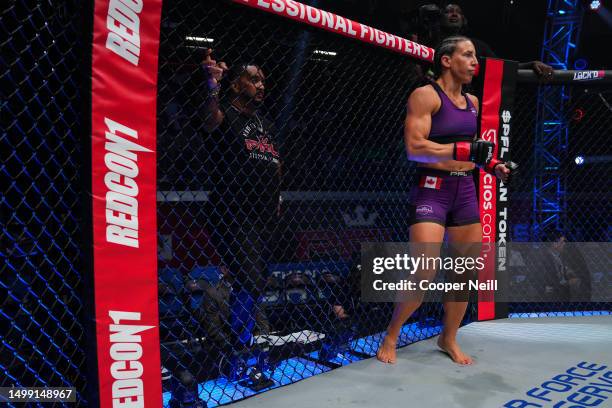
(258,142)
(247,167)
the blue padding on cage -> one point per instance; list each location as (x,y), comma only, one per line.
(211,274)
(172,277)
(560,314)
(242,316)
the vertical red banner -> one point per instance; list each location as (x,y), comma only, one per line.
(124,95)
(489,128)
(500,78)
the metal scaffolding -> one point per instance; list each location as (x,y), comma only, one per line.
(562,31)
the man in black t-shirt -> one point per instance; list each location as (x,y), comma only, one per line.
(246,186)
(453,22)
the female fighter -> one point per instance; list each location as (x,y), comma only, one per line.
(439,134)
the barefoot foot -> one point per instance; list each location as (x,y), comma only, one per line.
(454,352)
(386,352)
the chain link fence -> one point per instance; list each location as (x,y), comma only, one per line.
(42,341)
(235,263)
(574,200)
(273,248)
(583,172)
(258,265)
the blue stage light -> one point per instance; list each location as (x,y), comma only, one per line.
(580,64)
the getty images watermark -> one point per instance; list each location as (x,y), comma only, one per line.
(423,265)
(514,272)
(394,272)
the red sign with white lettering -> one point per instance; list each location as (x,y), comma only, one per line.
(340,25)
(124,94)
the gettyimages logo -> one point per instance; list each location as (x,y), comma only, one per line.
(531,272)
(402,271)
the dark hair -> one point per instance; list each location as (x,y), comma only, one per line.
(447,47)
(236,71)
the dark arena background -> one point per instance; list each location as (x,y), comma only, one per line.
(133,265)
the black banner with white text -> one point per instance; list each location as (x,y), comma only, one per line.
(495,126)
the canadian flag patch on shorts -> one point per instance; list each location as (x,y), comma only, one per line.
(431,182)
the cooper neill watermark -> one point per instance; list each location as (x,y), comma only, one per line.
(514,272)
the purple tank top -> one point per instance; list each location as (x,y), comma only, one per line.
(452,124)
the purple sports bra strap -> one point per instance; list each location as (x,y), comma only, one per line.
(443,95)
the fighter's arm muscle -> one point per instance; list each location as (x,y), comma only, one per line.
(422,103)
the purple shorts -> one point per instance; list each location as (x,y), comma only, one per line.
(446,198)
